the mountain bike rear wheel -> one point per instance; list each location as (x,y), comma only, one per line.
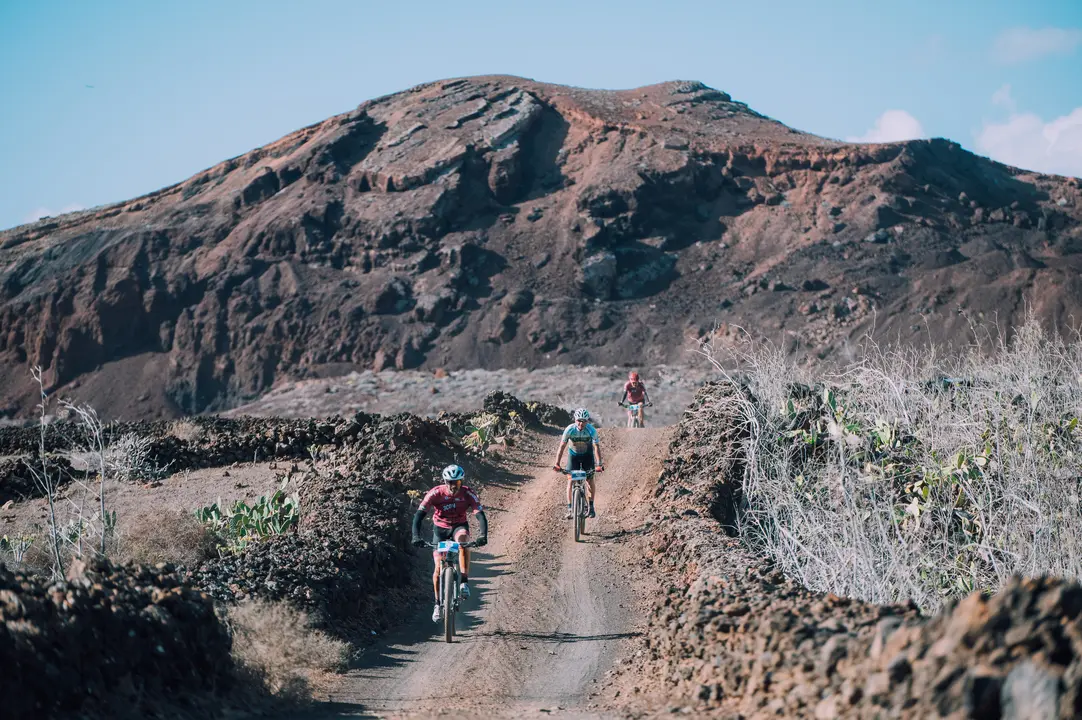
(447,581)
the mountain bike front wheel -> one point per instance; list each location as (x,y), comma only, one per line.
(576,513)
(582,516)
(447,581)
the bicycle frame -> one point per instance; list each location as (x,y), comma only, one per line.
(579,504)
(448,552)
(449,598)
(578,482)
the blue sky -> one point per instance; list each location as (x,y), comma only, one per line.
(103,101)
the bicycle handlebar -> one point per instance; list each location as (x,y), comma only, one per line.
(568,472)
(470,544)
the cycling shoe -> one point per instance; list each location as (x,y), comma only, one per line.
(464,591)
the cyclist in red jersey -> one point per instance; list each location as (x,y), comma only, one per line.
(451,505)
(635,393)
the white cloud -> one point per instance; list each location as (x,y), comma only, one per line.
(1026,141)
(1021,44)
(892,126)
(39,213)
(1002,98)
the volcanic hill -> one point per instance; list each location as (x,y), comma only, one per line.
(499,222)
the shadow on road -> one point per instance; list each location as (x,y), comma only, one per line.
(401,646)
(557,637)
(330,709)
(616,536)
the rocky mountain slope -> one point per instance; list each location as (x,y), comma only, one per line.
(500,222)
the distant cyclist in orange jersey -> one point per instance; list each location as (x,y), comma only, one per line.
(635,394)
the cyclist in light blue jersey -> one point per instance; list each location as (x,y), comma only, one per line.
(580,439)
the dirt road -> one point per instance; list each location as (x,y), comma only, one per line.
(549,616)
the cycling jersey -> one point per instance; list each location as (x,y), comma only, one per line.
(449,510)
(580,442)
(635,393)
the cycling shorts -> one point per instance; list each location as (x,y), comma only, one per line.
(460,533)
(581,462)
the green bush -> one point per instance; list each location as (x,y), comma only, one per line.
(239,524)
(17,546)
(482,431)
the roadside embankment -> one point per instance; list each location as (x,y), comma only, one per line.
(733,634)
(112,640)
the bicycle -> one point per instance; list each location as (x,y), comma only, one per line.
(633,413)
(580,508)
(450,580)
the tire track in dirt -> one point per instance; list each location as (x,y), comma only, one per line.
(549,616)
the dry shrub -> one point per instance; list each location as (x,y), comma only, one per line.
(38,559)
(187,431)
(128,458)
(910,474)
(174,536)
(277,645)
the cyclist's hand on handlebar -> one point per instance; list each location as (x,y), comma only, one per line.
(557,468)
(481,541)
(418,542)
(600,468)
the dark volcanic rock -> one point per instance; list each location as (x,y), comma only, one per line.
(552,414)
(384,236)
(503,403)
(114,641)
(200,442)
(17,476)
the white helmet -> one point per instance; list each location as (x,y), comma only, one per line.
(582,414)
(453,473)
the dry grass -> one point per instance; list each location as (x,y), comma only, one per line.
(151,537)
(186,430)
(277,645)
(912,474)
(174,536)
